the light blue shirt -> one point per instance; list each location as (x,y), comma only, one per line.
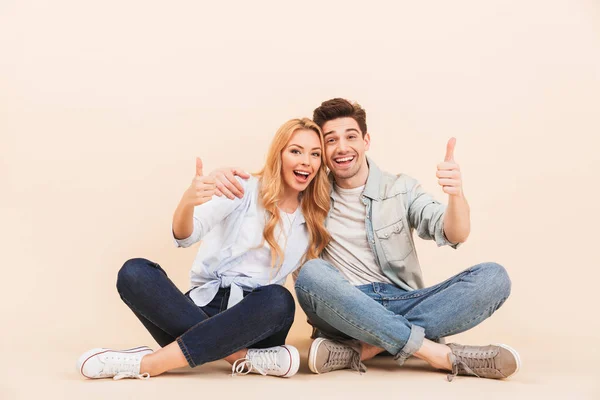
(231,232)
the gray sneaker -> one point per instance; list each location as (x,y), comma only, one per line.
(326,355)
(493,361)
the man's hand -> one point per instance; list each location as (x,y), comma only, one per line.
(448,172)
(202,188)
(226,184)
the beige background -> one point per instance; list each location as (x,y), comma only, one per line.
(104,105)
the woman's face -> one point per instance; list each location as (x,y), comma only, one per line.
(301,159)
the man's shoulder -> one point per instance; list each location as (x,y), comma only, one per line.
(397,183)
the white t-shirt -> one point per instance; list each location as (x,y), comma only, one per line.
(349,249)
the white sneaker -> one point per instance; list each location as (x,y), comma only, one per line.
(117,364)
(282,361)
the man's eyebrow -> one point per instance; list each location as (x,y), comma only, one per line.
(297,145)
(347,130)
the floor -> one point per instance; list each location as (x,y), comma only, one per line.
(545,373)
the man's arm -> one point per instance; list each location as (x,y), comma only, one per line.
(457,218)
(227,184)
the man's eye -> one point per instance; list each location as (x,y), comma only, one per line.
(352,137)
(330,140)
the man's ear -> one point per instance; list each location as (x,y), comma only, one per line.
(367,140)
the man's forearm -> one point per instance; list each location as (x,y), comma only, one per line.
(457,219)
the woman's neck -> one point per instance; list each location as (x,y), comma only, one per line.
(289,201)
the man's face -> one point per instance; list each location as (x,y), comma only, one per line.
(345,151)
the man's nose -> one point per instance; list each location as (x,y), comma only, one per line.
(342,146)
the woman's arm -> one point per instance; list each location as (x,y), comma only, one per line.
(200,191)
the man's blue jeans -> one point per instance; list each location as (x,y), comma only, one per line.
(383,315)
(262,319)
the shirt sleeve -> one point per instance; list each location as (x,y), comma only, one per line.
(426,215)
(209,214)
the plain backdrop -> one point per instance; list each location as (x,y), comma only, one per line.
(105,105)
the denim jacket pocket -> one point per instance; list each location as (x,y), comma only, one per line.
(394,241)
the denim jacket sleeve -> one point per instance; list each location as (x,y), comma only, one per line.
(426,215)
(209,214)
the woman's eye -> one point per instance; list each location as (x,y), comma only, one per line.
(317,154)
(295,151)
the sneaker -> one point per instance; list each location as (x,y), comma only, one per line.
(493,361)
(117,364)
(282,361)
(326,355)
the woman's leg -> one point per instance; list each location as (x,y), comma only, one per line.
(261,320)
(166,312)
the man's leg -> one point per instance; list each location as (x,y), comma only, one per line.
(453,306)
(473,296)
(334,305)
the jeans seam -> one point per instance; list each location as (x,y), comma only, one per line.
(250,342)
(144,315)
(460,276)
(346,320)
(475,318)
(441,291)
(186,352)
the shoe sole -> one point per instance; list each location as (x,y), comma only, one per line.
(514,353)
(94,352)
(295,357)
(312,354)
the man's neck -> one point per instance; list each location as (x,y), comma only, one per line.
(360,179)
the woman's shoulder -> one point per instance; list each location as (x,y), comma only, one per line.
(250,184)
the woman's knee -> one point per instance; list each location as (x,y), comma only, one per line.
(133,272)
(280,301)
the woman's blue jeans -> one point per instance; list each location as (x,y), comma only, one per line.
(262,319)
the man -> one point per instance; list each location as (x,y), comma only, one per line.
(366,294)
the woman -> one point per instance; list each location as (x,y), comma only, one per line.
(237,309)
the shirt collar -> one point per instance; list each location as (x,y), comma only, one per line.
(373,181)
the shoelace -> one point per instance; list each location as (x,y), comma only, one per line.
(122,375)
(466,363)
(344,356)
(262,361)
(123,368)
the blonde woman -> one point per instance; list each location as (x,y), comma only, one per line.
(237,308)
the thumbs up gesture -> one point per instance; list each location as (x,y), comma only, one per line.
(448,172)
(202,188)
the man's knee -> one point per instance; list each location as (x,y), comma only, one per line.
(312,273)
(495,280)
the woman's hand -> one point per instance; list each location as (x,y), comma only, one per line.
(201,189)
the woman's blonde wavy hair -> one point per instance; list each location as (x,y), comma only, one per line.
(315,198)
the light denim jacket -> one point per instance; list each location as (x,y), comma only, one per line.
(396,205)
(228,229)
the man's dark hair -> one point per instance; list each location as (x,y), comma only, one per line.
(340,108)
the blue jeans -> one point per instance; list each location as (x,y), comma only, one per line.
(262,319)
(383,315)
